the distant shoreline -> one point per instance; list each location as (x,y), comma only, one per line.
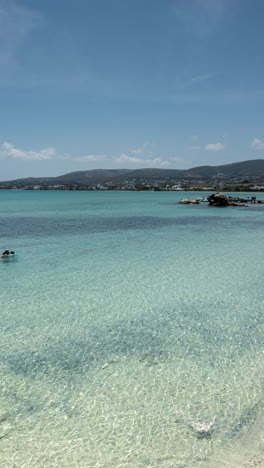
(131,191)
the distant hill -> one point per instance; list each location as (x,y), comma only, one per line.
(250,168)
(94,176)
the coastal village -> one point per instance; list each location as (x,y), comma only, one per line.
(243,176)
(217,183)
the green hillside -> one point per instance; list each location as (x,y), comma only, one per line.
(244,169)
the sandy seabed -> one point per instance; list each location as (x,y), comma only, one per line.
(246,452)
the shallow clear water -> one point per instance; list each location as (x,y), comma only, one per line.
(128,322)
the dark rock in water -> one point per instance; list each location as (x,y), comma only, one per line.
(236,204)
(218,199)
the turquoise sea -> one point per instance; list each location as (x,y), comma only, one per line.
(131,331)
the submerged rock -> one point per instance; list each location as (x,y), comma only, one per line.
(203,429)
(4,416)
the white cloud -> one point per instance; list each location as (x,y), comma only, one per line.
(141,149)
(194,137)
(214,147)
(142,157)
(9,151)
(155,162)
(88,158)
(136,151)
(257,144)
(195,148)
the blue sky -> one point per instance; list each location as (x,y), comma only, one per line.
(88,84)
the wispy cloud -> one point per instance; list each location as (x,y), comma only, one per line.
(141,156)
(140,149)
(214,147)
(155,162)
(196,80)
(9,151)
(199,78)
(257,144)
(88,158)
(179,162)
(200,18)
(195,148)
(16,24)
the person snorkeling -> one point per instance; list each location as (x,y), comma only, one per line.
(7,252)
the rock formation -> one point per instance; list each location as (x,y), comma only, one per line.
(189,201)
(218,199)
